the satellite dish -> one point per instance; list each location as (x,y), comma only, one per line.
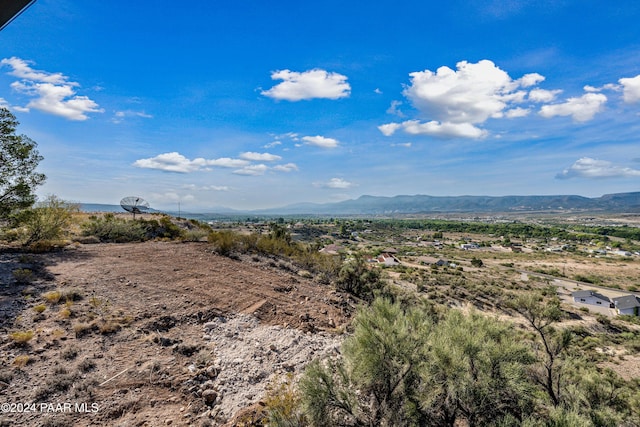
(135,205)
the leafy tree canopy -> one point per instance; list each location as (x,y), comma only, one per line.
(19,159)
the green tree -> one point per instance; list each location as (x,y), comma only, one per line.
(18,161)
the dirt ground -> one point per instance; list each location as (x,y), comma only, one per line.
(124,344)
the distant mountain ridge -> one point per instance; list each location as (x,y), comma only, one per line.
(403,204)
(423,204)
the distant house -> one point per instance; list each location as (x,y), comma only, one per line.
(332,249)
(628,304)
(622,253)
(387,259)
(469,246)
(591,297)
(428,260)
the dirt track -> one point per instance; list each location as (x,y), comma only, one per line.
(160,294)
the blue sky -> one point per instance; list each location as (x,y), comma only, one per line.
(255,104)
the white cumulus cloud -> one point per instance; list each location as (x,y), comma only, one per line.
(455,103)
(581,109)
(260,157)
(543,95)
(517,112)
(23,70)
(289,167)
(176,162)
(470,94)
(321,141)
(252,170)
(630,89)
(338,183)
(310,84)
(434,128)
(51,93)
(587,167)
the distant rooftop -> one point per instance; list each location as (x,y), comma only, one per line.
(626,302)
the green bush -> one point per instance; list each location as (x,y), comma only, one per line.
(115,230)
(359,279)
(224,242)
(47,221)
(400,368)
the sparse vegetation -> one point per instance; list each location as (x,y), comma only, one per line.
(39,308)
(52,297)
(22,275)
(21,337)
(21,361)
(432,357)
(46,223)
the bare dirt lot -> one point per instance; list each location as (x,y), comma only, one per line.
(155,333)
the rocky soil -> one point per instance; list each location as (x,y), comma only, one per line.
(155,333)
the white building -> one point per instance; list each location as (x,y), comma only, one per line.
(628,304)
(591,297)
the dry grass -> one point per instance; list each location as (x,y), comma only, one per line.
(65,313)
(52,297)
(21,361)
(39,308)
(21,337)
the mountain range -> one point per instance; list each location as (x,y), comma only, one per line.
(417,204)
(423,204)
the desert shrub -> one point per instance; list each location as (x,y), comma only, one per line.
(52,297)
(116,230)
(359,279)
(273,245)
(194,235)
(401,368)
(65,312)
(21,337)
(326,266)
(61,381)
(476,262)
(21,361)
(47,221)
(44,246)
(224,242)
(83,328)
(108,326)
(283,405)
(69,353)
(164,228)
(71,294)
(22,275)
(86,365)
(39,308)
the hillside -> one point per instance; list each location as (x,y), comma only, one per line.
(154,332)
